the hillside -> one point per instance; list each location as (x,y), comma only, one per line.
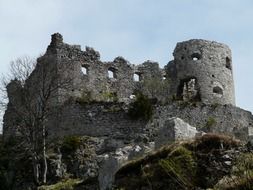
(212,161)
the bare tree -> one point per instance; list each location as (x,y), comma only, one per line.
(19,69)
(38,95)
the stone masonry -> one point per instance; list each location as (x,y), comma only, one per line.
(201,73)
(102,81)
(205,68)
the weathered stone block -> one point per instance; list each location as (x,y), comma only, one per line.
(174,129)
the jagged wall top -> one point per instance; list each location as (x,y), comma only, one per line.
(112,80)
(201,70)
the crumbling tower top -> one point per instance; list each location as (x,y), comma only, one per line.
(202,70)
(56,39)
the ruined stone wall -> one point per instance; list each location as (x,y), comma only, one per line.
(10,119)
(208,66)
(111,120)
(101,81)
(106,119)
(62,62)
(201,70)
(226,119)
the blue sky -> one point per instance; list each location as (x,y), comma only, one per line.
(135,29)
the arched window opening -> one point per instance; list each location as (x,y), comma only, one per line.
(137,77)
(196,56)
(228,63)
(111,73)
(84,70)
(218,90)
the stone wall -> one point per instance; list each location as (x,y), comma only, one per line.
(226,119)
(101,80)
(10,119)
(96,120)
(202,70)
(112,121)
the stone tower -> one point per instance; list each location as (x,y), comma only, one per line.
(202,71)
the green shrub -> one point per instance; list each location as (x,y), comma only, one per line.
(70,144)
(141,108)
(210,122)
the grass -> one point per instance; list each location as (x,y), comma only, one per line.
(178,166)
(167,165)
(241,176)
(211,141)
(67,184)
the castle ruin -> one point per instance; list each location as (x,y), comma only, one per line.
(201,73)
(201,70)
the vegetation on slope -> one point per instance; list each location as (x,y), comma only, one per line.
(241,176)
(211,161)
(188,165)
(16,170)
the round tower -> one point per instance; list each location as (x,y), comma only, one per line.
(202,71)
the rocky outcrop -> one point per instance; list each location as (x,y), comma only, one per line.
(113,161)
(174,129)
(94,161)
